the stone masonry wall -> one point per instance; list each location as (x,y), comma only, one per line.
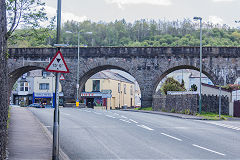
(176,103)
(211,104)
(189,103)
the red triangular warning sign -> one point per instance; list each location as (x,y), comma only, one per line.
(61,77)
(58,64)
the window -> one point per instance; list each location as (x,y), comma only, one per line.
(23,86)
(125,89)
(96,86)
(26,86)
(119,87)
(44,74)
(131,90)
(44,86)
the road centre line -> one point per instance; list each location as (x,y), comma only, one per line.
(123,117)
(110,116)
(145,127)
(133,120)
(208,149)
(124,120)
(171,136)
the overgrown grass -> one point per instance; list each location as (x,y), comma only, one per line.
(145,109)
(212,116)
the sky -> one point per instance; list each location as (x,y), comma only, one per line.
(215,11)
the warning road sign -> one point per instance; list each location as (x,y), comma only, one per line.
(61,77)
(58,64)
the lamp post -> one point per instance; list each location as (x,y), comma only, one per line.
(77,85)
(200,79)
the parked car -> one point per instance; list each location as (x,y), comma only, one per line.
(37,105)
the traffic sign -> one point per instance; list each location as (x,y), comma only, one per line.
(58,64)
(62,77)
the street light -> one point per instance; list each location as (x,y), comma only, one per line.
(77,85)
(200,80)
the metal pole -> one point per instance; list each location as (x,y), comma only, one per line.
(200,86)
(220,100)
(78,68)
(56,122)
(55,150)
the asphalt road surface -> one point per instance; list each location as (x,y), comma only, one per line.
(100,134)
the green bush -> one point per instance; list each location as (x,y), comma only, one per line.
(172,110)
(172,85)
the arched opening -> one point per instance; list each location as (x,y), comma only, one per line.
(109,87)
(33,85)
(189,74)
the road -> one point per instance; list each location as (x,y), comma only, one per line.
(100,134)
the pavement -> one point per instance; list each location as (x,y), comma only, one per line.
(26,138)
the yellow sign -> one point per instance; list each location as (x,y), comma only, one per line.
(77,103)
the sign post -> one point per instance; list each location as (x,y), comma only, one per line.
(77,103)
(57,65)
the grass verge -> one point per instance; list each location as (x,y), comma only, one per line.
(145,109)
(9,108)
(213,116)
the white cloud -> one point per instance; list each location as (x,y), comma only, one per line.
(223,0)
(121,3)
(215,20)
(66,16)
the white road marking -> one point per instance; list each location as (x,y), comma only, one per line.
(171,136)
(208,149)
(97,113)
(124,120)
(133,120)
(110,116)
(221,125)
(145,127)
(235,128)
(116,114)
(65,114)
(123,117)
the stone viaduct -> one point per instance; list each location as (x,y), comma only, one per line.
(148,65)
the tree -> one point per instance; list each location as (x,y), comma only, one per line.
(171,85)
(193,87)
(29,12)
(3,80)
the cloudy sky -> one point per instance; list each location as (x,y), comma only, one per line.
(215,11)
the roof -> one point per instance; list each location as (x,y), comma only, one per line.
(216,87)
(108,74)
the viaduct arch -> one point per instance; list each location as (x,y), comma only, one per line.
(148,65)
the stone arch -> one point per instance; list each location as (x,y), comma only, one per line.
(205,71)
(14,75)
(85,76)
(17,73)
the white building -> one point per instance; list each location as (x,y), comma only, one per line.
(36,86)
